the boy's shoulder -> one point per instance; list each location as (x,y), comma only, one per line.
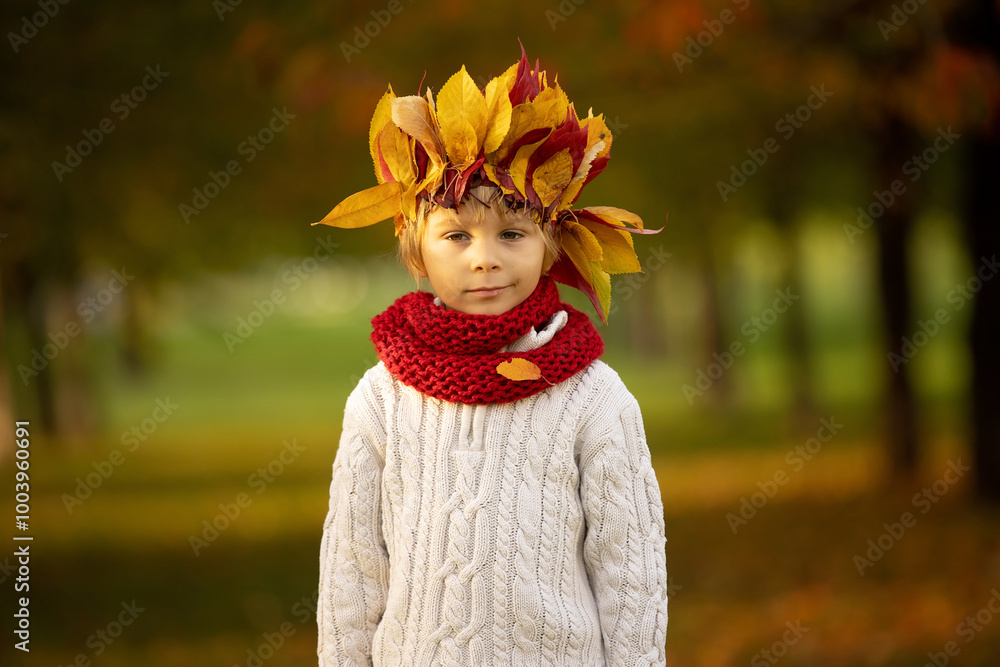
(603,390)
(373,381)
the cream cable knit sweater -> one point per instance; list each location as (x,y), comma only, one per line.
(506,534)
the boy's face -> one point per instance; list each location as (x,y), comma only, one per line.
(482,269)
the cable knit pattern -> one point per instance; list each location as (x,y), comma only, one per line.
(526,532)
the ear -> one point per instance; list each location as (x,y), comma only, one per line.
(419,268)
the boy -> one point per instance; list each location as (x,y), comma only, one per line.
(493,500)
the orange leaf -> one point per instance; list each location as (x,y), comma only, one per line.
(519,369)
(412,114)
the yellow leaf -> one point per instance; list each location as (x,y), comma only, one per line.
(382,116)
(588,242)
(519,369)
(498,116)
(395,145)
(618,253)
(570,193)
(521,117)
(590,271)
(524,118)
(552,176)
(412,114)
(597,131)
(588,158)
(365,208)
(398,222)
(519,165)
(461,114)
(616,215)
(552,104)
(408,203)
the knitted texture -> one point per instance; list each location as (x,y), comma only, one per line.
(525,532)
(453,356)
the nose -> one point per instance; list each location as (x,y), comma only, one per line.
(485,255)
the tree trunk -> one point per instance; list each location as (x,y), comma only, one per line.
(977,28)
(982,219)
(783,206)
(896,144)
(6,395)
(28,297)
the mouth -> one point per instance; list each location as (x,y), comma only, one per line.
(487,291)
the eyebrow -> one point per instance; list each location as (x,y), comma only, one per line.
(453,220)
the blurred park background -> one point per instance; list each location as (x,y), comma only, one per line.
(814,341)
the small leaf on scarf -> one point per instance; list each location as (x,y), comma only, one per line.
(519,369)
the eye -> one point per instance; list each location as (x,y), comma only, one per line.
(456,236)
(511,235)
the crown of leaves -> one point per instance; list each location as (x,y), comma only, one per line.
(517,134)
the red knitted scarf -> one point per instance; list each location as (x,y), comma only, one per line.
(453,356)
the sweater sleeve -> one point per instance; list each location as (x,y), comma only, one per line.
(354,565)
(624,546)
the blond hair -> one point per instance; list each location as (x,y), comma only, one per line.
(478,201)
